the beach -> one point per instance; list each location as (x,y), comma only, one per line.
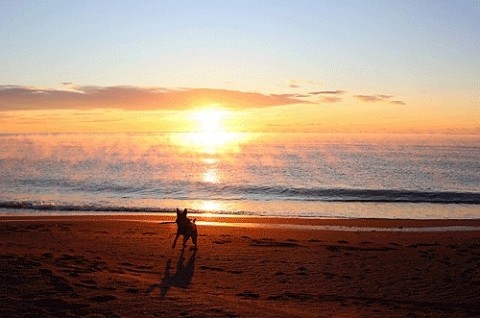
(124,266)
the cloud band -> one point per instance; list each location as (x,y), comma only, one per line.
(134,98)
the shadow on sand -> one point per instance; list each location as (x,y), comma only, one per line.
(181,278)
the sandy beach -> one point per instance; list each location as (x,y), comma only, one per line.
(124,266)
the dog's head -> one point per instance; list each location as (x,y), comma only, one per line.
(181,214)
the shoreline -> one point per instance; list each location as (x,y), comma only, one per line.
(124,266)
(249,208)
(340,224)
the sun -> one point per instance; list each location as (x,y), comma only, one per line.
(210,120)
(210,133)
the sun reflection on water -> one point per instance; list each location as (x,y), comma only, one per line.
(211,143)
(211,176)
(209,161)
(210,206)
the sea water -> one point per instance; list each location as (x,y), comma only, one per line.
(263,174)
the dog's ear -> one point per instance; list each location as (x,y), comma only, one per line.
(185,212)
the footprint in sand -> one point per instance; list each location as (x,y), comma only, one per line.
(248,295)
(103,298)
(221,242)
(272,243)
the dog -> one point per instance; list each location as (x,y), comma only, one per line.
(185,227)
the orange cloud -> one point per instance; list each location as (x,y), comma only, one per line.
(331,99)
(134,98)
(369,98)
(378,98)
(328,96)
(336,92)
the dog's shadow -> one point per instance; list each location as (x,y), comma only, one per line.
(181,278)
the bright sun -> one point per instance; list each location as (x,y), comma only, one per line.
(210,120)
(210,134)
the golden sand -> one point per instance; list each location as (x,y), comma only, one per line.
(124,266)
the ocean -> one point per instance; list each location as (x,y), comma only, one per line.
(252,174)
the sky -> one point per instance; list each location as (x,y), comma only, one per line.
(316,66)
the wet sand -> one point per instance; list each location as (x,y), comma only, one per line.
(124,266)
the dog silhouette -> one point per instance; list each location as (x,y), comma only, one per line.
(185,227)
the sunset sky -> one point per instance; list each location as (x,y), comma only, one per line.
(316,66)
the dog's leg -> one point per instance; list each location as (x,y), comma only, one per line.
(194,239)
(185,239)
(194,233)
(175,240)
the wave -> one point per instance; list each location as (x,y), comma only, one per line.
(266,193)
(30,205)
(376,195)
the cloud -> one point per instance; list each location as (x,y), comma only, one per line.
(298,83)
(293,84)
(77,97)
(331,99)
(384,96)
(369,98)
(372,98)
(337,92)
(378,98)
(291,95)
(135,98)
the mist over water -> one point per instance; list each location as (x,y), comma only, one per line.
(312,175)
